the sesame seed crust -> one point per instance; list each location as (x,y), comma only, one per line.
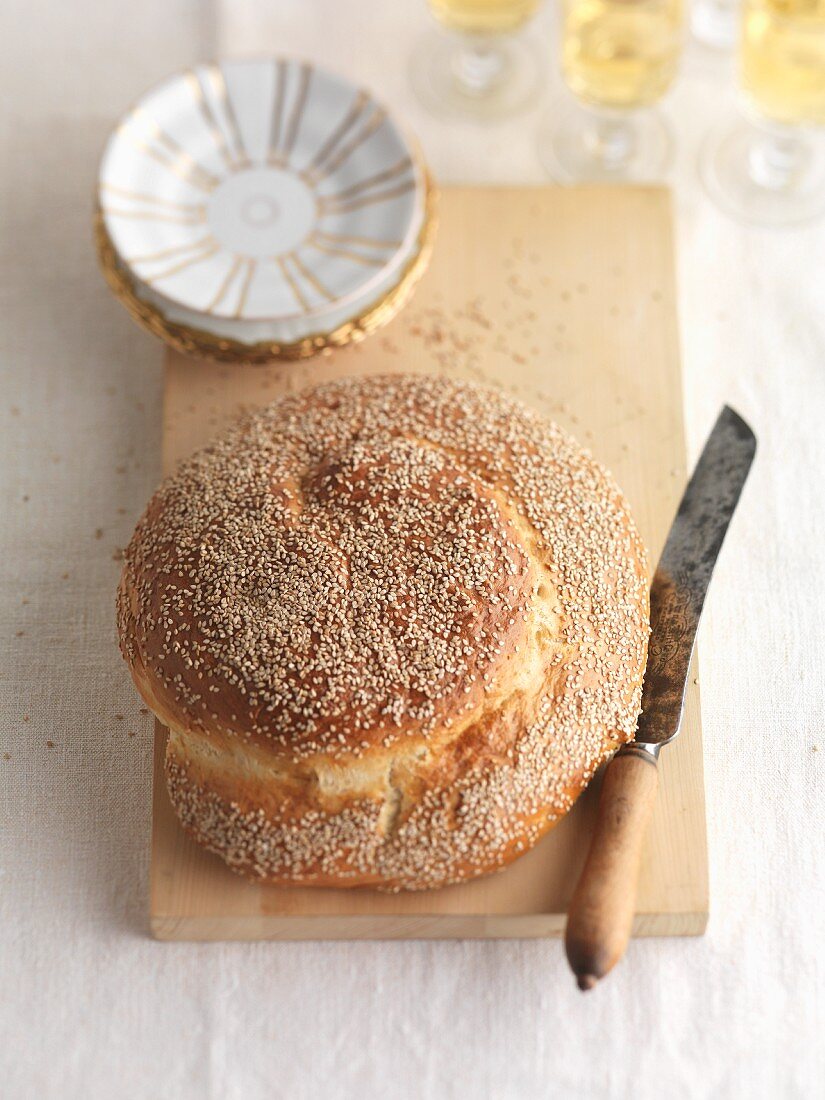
(394,624)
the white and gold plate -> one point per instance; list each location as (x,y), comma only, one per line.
(261,203)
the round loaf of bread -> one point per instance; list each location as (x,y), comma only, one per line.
(394,624)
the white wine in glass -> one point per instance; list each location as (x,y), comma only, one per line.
(783,59)
(621,53)
(484,16)
(476,65)
(769,166)
(618,57)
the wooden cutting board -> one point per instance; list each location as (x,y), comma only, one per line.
(566,298)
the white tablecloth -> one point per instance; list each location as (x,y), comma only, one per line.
(89,1005)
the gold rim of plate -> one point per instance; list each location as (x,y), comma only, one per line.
(192,341)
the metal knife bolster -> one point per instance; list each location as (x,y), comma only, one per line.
(681,580)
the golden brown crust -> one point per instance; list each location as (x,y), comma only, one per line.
(394,625)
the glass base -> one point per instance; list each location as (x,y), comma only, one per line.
(582,145)
(765,175)
(715,23)
(479,78)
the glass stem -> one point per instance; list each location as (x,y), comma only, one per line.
(611,140)
(478,66)
(777,159)
(714,22)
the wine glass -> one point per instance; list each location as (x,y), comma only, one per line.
(768,166)
(618,57)
(476,65)
(714,22)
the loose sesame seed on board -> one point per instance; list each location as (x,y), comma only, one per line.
(368,568)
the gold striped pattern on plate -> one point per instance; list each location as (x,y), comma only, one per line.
(230,275)
(198,343)
(167,152)
(218,82)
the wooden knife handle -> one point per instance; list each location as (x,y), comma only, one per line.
(600,917)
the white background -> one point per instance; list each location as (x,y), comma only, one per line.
(89,1005)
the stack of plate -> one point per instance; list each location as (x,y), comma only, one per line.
(259,210)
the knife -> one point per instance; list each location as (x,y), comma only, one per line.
(600,917)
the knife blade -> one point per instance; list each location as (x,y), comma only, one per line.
(600,917)
(682,577)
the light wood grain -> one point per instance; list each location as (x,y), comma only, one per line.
(566,298)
